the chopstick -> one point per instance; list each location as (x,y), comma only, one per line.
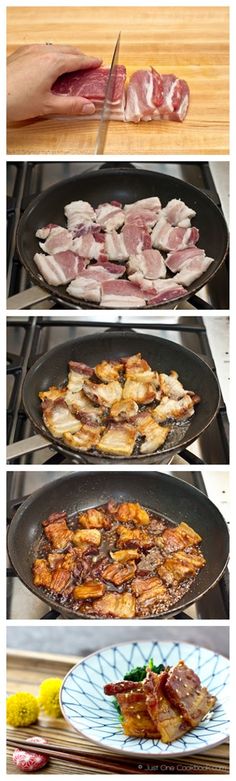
(82,758)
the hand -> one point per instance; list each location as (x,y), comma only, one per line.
(31,72)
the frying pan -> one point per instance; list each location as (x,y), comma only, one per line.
(125,184)
(161,493)
(52,368)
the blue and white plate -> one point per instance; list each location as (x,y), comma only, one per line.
(91,713)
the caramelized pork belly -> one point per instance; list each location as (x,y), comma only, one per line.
(78,372)
(136,368)
(93,519)
(78,402)
(171,386)
(61,578)
(149,592)
(171,408)
(104,394)
(107,371)
(178,537)
(123,410)
(137,538)
(90,536)
(52,393)
(148,564)
(119,573)
(184,690)
(167,718)
(115,605)
(42,575)
(57,531)
(123,556)
(141,392)
(58,418)
(89,590)
(136,719)
(180,566)
(132,511)
(118,439)
(155,437)
(85,437)
(122,687)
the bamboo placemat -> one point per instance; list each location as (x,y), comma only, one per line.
(26,670)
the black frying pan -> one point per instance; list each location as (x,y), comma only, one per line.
(125,184)
(163,355)
(160,493)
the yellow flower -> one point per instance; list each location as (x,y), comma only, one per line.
(49,696)
(22,709)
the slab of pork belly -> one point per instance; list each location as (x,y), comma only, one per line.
(136,238)
(175,260)
(91,84)
(183,688)
(149,262)
(60,268)
(192,270)
(144,95)
(59,240)
(165,237)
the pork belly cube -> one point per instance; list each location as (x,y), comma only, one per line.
(178,537)
(42,575)
(122,556)
(180,566)
(137,721)
(86,437)
(171,386)
(115,605)
(155,437)
(137,538)
(167,718)
(52,393)
(107,371)
(132,511)
(78,373)
(148,564)
(149,591)
(93,519)
(118,440)
(89,590)
(171,408)
(60,580)
(184,690)
(141,392)
(58,418)
(136,368)
(58,534)
(78,402)
(88,536)
(123,411)
(103,394)
(119,573)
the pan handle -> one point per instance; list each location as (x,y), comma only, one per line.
(25,446)
(27,298)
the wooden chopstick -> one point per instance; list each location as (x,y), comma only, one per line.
(72,755)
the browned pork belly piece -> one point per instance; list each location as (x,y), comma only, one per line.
(136,368)
(65,560)
(52,393)
(118,439)
(104,394)
(167,718)
(115,605)
(171,408)
(93,519)
(88,536)
(60,580)
(57,417)
(149,591)
(86,437)
(122,687)
(124,410)
(57,532)
(171,386)
(78,372)
(89,590)
(155,437)
(148,564)
(125,555)
(119,573)
(136,719)
(141,392)
(183,687)
(178,537)
(78,402)
(137,538)
(180,566)
(132,511)
(42,575)
(108,370)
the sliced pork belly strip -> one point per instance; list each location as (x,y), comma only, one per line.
(122,294)
(167,238)
(176,212)
(43,233)
(175,99)
(144,95)
(58,240)
(79,212)
(166,290)
(142,217)
(115,246)
(101,273)
(87,247)
(87,289)
(58,418)
(183,687)
(136,238)
(149,262)
(192,269)
(175,260)
(152,204)
(114,268)
(109,217)
(91,84)
(59,269)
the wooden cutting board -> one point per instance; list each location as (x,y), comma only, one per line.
(26,670)
(192,42)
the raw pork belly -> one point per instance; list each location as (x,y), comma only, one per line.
(175,260)
(149,262)
(192,269)
(86,289)
(144,95)
(136,238)
(58,240)
(175,98)
(177,213)
(87,247)
(79,213)
(152,204)
(167,238)
(122,294)
(109,217)
(60,268)
(166,290)
(91,84)
(115,246)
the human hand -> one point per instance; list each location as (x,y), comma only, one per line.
(31,72)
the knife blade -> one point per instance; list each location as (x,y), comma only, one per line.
(104,118)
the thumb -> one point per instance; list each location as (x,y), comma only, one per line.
(61,104)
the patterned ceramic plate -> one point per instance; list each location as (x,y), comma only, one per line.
(90,712)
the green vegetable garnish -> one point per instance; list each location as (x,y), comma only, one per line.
(139,673)
(155,669)
(117,707)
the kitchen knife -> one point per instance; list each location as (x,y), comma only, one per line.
(105,115)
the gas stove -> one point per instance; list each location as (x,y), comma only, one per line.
(29,337)
(22,604)
(25,180)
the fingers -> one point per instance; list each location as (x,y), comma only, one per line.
(73,62)
(73,106)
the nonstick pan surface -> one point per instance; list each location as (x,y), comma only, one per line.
(161,493)
(125,184)
(163,355)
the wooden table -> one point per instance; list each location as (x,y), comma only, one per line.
(26,670)
(192,42)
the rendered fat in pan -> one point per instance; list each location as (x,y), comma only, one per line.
(159,492)
(162,354)
(124,184)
